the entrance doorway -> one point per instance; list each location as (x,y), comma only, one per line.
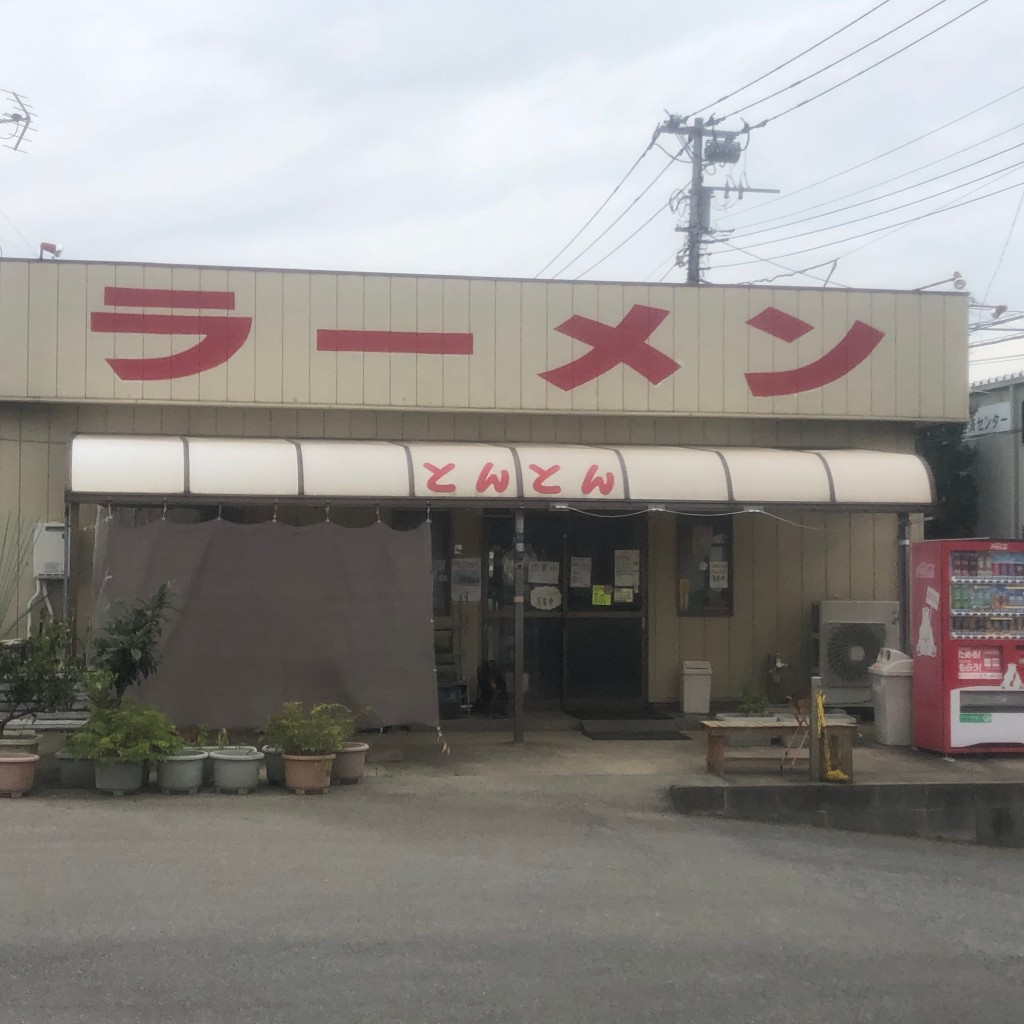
(584,619)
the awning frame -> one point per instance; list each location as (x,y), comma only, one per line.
(104,469)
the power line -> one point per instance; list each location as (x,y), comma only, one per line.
(876,199)
(785,64)
(883,213)
(594,215)
(880,156)
(1006,245)
(790,270)
(598,238)
(870,67)
(828,67)
(872,231)
(721,99)
(887,181)
(628,238)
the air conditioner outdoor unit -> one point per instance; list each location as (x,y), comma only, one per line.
(849,635)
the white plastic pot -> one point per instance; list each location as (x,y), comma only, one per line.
(182,773)
(119,777)
(236,769)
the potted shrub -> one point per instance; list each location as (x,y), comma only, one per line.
(128,646)
(76,770)
(236,768)
(121,740)
(37,675)
(308,743)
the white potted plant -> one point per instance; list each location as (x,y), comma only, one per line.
(121,741)
(236,768)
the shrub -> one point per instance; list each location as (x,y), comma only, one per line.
(130,732)
(38,674)
(323,731)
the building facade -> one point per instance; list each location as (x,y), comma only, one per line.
(698,466)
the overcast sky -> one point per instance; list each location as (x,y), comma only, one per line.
(476,137)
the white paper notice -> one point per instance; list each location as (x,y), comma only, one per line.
(466,579)
(543,572)
(579,572)
(718,576)
(627,567)
(545,599)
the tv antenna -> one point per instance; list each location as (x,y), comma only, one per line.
(16,119)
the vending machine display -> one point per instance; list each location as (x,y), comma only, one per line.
(967,630)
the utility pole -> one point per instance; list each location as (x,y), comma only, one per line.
(695,229)
(706,145)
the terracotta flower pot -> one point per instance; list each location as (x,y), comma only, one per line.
(349,763)
(17,772)
(308,773)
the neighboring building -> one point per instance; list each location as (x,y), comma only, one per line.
(995,429)
(762,440)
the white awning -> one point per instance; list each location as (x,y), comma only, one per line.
(181,468)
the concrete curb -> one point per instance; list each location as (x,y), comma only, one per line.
(990,814)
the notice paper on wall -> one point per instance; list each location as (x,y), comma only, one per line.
(466,579)
(601,594)
(542,572)
(627,567)
(718,575)
(579,572)
(623,595)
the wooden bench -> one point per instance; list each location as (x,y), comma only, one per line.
(50,721)
(839,736)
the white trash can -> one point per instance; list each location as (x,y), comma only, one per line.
(696,695)
(891,681)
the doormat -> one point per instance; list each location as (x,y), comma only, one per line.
(625,729)
(611,714)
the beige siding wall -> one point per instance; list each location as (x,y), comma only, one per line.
(781,568)
(51,347)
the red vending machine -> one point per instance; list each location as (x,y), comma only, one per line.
(967,638)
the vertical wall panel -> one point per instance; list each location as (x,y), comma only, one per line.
(908,355)
(455,308)
(183,389)
(403,318)
(377,307)
(482,324)
(298,338)
(241,367)
(323,313)
(72,324)
(508,344)
(14,337)
(350,367)
(266,330)
(635,386)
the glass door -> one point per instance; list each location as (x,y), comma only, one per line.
(604,617)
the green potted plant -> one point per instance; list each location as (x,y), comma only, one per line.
(38,674)
(128,646)
(121,740)
(308,743)
(77,771)
(236,767)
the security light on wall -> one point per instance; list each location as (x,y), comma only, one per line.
(53,248)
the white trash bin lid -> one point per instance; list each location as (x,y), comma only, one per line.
(697,666)
(892,663)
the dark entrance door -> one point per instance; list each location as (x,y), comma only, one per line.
(584,616)
(604,622)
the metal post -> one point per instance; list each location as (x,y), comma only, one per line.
(519,602)
(816,737)
(695,230)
